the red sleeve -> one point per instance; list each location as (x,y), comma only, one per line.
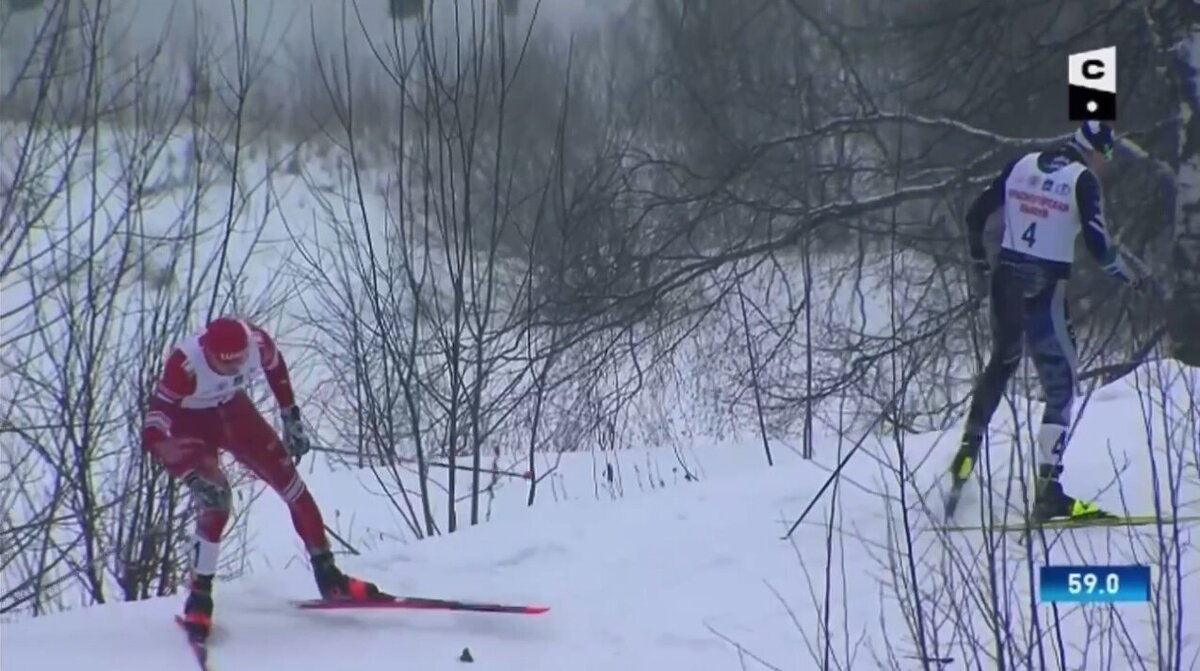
(274,367)
(175,383)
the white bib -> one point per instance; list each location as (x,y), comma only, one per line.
(1040,215)
(212,388)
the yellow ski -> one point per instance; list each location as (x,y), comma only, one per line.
(1071,523)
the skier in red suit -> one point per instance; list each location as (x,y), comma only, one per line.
(200,406)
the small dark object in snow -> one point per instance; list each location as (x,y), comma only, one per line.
(466,656)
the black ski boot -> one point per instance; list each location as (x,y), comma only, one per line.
(335,585)
(960,469)
(1052,503)
(198,609)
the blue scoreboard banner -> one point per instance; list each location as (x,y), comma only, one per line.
(1094,584)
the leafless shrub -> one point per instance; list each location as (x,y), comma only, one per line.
(110,251)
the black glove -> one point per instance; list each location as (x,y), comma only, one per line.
(295,439)
(981,274)
(207,492)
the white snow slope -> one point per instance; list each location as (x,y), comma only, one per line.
(696,576)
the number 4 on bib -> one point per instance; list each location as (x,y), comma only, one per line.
(1030,234)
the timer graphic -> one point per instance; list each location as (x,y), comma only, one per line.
(1094,584)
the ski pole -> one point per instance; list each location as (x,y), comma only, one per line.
(492,471)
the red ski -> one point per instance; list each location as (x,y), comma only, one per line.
(199,647)
(419,603)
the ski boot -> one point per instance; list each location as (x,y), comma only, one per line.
(198,609)
(337,586)
(1051,503)
(960,470)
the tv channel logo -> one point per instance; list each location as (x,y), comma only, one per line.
(1092,85)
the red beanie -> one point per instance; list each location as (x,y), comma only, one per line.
(226,340)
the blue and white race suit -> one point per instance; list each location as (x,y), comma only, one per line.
(1047,200)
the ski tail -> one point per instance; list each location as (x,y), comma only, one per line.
(420,603)
(950,505)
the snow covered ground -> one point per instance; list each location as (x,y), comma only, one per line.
(695,576)
(158,247)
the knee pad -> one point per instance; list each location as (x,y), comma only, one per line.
(205,554)
(1051,443)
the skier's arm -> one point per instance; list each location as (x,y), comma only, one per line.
(274,367)
(175,383)
(985,205)
(295,439)
(1090,202)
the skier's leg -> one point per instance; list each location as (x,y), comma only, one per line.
(1007,323)
(252,441)
(1051,341)
(193,460)
(191,456)
(257,446)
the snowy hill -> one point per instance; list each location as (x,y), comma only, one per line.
(696,576)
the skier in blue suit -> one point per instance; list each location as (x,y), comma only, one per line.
(1047,199)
